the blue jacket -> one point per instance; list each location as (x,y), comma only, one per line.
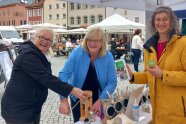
(76,68)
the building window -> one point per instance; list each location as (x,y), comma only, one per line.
(92,6)
(99,6)
(71,6)
(35,22)
(50,7)
(50,17)
(30,22)
(13,22)
(85,19)
(64,25)
(100,18)
(159,2)
(78,20)
(72,20)
(21,22)
(25,22)
(78,6)
(64,16)
(92,19)
(85,6)
(64,5)
(57,6)
(57,16)
(39,12)
(30,13)
(136,19)
(125,12)
(35,12)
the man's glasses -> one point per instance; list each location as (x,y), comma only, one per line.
(94,40)
(41,38)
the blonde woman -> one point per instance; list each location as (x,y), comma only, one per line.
(89,67)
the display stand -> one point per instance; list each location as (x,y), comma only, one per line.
(86,107)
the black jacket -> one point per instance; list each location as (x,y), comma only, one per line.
(27,89)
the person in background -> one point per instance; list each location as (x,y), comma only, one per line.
(89,67)
(136,48)
(31,77)
(68,43)
(165,68)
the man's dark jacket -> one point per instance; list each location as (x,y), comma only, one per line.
(27,89)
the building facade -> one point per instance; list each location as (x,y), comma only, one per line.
(35,12)
(55,12)
(83,15)
(13,14)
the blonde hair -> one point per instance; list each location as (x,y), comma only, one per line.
(99,33)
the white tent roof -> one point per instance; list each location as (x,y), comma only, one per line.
(54,30)
(49,25)
(78,31)
(60,31)
(23,27)
(134,4)
(117,23)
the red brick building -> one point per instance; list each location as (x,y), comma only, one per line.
(13,14)
(35,12)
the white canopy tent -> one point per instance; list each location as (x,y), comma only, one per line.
(145,5)
(116,23)
(23,27)
(49,25)
(78,31)
(61,31)
(54,30)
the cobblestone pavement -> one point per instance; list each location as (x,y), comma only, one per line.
(50,113)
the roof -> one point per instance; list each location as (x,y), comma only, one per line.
(143,5)
(35,4)
(6,2)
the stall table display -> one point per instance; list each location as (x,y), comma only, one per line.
(121,115)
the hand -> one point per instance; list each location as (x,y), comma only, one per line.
(64,107)
(95,107)
(156,71)
(79,93)
(129,71)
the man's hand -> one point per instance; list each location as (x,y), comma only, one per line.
(80,93)
(64,107)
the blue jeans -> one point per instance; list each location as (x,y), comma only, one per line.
(137,55)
